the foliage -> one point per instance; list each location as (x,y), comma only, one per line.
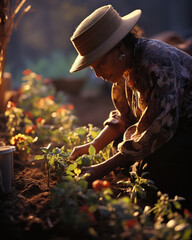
(58,160)
(42,116)
(40,111)
(57,65)
(16,119)
(23,142)
(168,224)
(136,186)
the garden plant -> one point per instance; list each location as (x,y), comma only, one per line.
(44,127)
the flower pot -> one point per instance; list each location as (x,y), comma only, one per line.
(6,168)
(69,85)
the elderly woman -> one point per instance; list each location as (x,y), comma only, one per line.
(152,96)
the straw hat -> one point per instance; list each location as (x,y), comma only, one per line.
(99,33)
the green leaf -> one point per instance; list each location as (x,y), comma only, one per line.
(141,191)
(56,150)
(83,183)
(44,150)
(79,160)
(39,157)
(92,150)
(72,166)
(86,161)
(81,130)
(177,205)
(77,171)
(51,160)
(62,164)
(70,173)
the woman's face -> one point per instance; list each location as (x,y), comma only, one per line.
(109,67)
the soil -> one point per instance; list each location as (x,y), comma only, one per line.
(26,212)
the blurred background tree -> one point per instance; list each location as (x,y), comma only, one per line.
(9,19)
(42,39)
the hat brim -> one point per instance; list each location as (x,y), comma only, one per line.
(128,22)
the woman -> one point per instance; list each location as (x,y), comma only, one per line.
(152,95)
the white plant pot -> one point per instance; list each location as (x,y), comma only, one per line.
(6,168)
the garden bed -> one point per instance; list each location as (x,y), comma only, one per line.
(49,197)
(26,212)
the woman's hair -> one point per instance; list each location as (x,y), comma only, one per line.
(131,38)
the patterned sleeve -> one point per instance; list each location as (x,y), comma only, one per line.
(159,119)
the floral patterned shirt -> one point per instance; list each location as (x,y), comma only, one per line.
(151,98)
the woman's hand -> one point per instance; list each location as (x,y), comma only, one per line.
(107,135)
(80,150)
(95,172)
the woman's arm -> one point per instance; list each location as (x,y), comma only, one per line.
(102,169)
(107,135)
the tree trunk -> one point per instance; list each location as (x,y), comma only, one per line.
(2,52)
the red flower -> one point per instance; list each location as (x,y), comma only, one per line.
(85,209)
(29,114)
(27,72)
(10,104)
(47,81)
(131,223)
(188,213)
(30,129)
(98,185)
(69,106)
(20,90)
(39,119)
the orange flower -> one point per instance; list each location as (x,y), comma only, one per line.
(29,114)
(30,129)
(98,185)
(131,223)
(10,104)
(41,103)
(27,72)
(17,138)
(65,107)
(61,109)
(38,77)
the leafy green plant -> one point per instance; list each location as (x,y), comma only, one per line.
(164,205)
(16,119)
(43,115)
(165,219)
(56,159)
(136,186)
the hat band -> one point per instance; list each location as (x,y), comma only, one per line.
(99,32)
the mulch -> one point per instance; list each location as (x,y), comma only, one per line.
(25,212)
